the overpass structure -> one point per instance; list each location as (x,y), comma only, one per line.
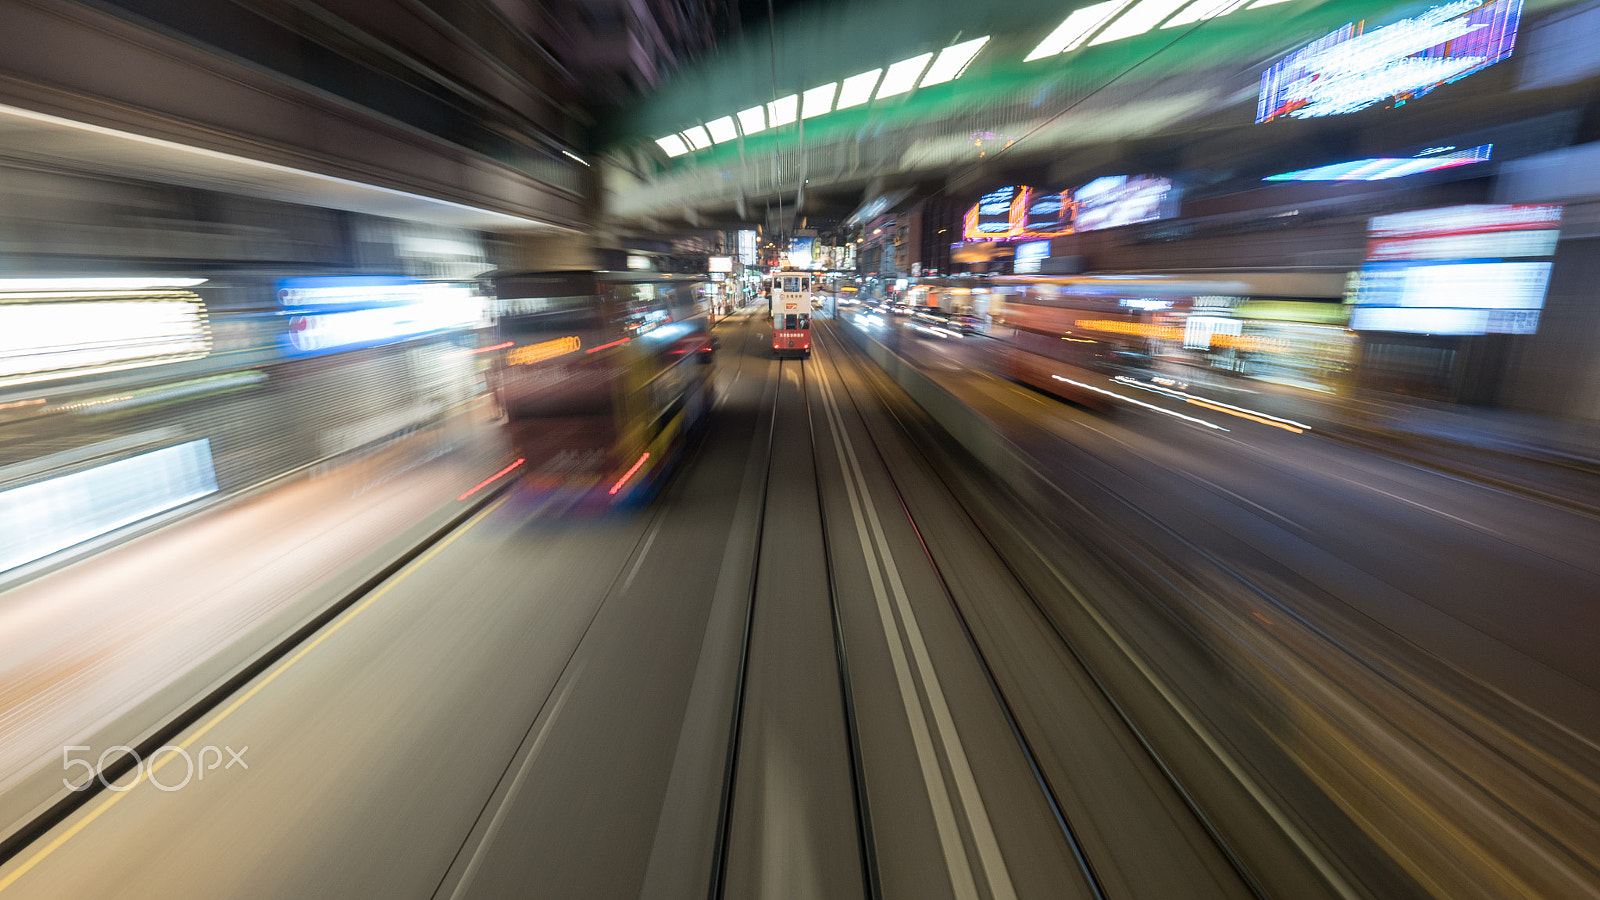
(833,108)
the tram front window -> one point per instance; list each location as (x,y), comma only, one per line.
(804,322)
(790,322)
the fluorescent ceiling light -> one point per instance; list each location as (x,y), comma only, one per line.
(857,89)
(1144,16)
(818,100)
(722,129)
(673,144)
(1260,3)
(1071,34)
(783,110)
(902,76)
(697,137)
(953,61)
(753,120)
(1205,10)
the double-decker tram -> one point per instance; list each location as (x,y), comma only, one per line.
(791,314)
(602,377)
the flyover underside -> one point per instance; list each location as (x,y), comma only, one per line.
(956,149)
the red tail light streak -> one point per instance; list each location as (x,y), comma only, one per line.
(624,479)
(492,478)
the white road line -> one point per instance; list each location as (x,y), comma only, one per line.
(650,539)
(997,875)
(495,823)
(955,855)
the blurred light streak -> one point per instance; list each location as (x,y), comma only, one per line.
(1152,406)
(244,162)
(818,100)
(500,346)
(1219,406)
(673,145)
(607,346)
(1144,16)
(753,120)
(902,76)
(953,60)
(491,479)
(1381,168)
(575,157)
(40,401)
(722,130)
(1076,29)
(857,89)
(90,285)
(167,393)
(630,473)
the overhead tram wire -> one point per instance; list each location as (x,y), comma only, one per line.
(777,153)
(972,169)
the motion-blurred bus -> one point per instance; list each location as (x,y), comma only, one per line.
(1067,335)
(601,377)
(791,314)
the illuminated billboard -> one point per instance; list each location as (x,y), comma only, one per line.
(747,247)
(1048,215)
(997,216)
(800,252)
(1351,69)
(336,313)
(60,334)
(1381,168)
(1019,213)
(1029,256)
(1480,269)
(1121,200)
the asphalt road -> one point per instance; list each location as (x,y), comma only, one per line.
(544,706)
(1414,641)
(833,659)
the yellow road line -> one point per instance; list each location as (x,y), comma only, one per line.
(146,772)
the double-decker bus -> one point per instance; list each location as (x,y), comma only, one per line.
(791,314)
(1068,335)
(601,377)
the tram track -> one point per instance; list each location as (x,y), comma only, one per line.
(869,860)
(1325,663)
(720,881)
(1070,833)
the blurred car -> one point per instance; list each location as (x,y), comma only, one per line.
(970,324)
